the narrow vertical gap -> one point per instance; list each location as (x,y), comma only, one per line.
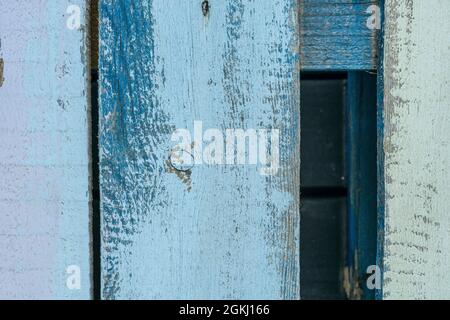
(96,243)
(92,31)
(323,185)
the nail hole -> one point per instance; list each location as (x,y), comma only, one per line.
(205,7)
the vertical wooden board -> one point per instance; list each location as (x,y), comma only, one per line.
(210,231)
(362,181)
(44,198)
(338,34)
(417,149)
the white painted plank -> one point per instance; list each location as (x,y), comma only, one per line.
(44,198)
(417,149)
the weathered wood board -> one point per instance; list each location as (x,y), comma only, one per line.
(338,34)
(44,198)
(361,134)
(417,149)
(208,231)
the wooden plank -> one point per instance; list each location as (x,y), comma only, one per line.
(338,34)
(205,231)
(44,198)
(362,181)
(417,149)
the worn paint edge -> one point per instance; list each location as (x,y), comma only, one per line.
(88,63)
(381,196)
(2,65)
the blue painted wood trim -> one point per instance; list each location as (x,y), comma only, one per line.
(362,178)
(334,35)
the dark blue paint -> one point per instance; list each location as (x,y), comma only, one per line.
(362,176)
(334,35)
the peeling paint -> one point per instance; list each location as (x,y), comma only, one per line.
(183,173)
(222,232)
(417,153)
(61,103)
(2,65)
(343,42)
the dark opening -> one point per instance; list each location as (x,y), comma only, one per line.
(92,31)
(338,183)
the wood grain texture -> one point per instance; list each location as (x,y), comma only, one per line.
(361,161)
(417,149)
(334,35)
(44,199)
(215,231)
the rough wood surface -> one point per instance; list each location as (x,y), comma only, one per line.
(417,149)
(214,231)
(44,199)
(334,35)
(361,161)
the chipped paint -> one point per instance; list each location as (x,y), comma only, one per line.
(174,165)
(334,35)
(417,149)
(205,8)
(212,232)
(2,65)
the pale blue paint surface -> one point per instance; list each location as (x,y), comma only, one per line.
(44,200)
(227,231)
(416,244)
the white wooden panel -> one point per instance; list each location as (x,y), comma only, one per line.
(417,149)
(44,198)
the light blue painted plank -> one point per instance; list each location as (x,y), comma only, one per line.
(206,231)
(338,34)
(44,199)
(415,139)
